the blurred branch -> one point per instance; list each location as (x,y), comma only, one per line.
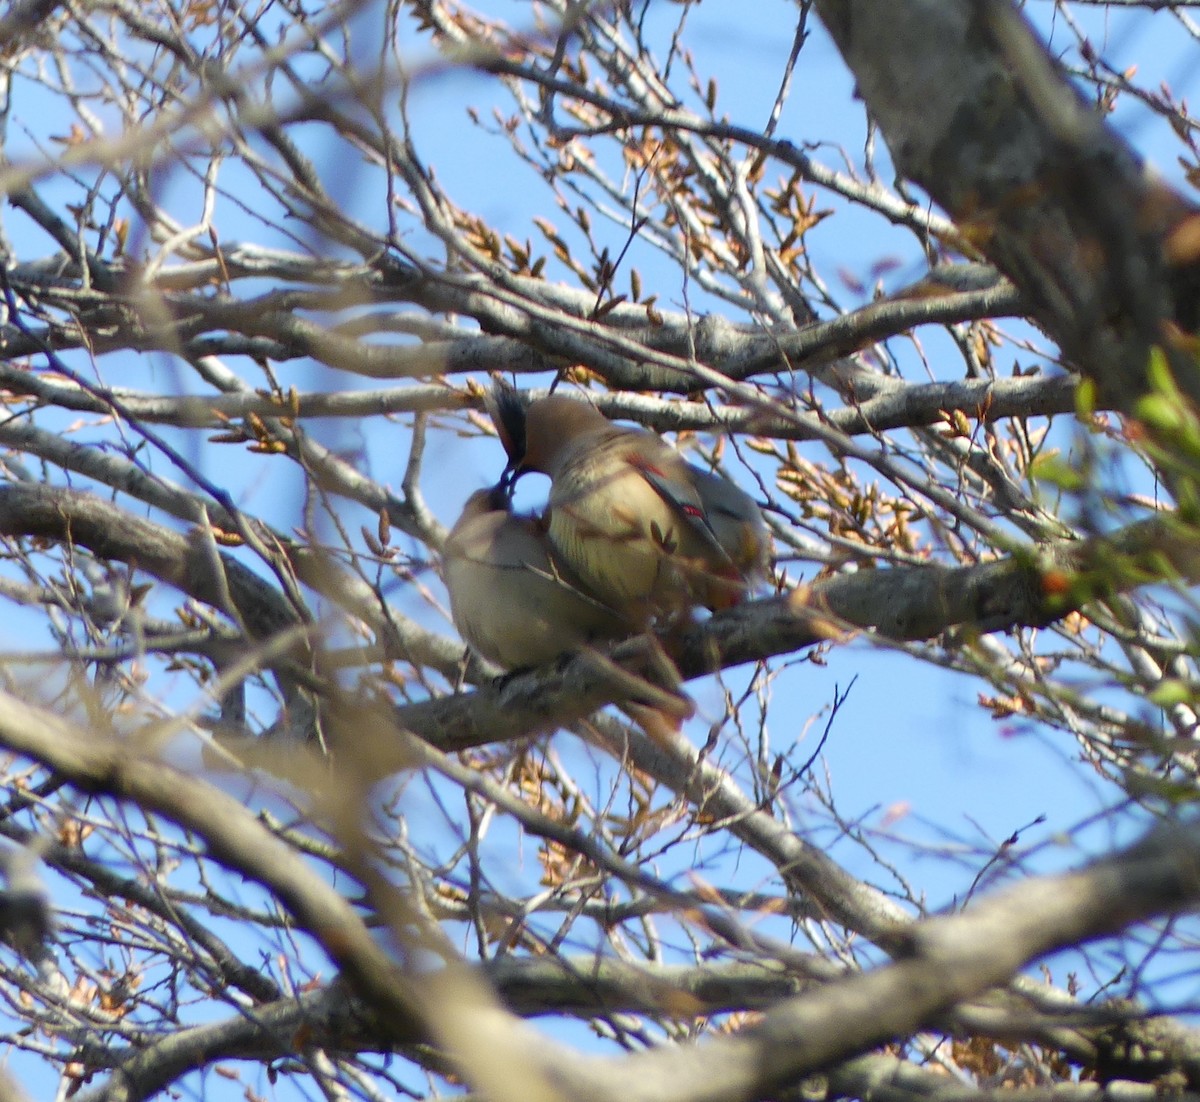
(330,1018)
(949,959)
(879,405)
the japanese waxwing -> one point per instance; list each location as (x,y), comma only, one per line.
(624,511)
(737,522)
(511,597)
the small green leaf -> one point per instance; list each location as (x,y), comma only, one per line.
(1051,468)
(1158,373)
(1163,414)
(1171,691)
(1085,399)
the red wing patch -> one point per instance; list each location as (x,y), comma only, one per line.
(691,512)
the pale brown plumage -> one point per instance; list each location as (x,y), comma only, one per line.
(624,511)
(511,597)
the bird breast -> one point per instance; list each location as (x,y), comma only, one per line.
(513,603)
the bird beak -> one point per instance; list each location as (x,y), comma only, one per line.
(499,497)
(508,480)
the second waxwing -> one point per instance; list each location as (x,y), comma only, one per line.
(511,597)
(624,510)
(738,523)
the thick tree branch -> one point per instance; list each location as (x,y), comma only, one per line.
(950,959)
(977,113)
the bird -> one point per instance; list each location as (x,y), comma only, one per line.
(737,521)
(512,598)
(624,510)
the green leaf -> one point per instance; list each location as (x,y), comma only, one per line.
(1163,414)
(1051,468)
(1171,691)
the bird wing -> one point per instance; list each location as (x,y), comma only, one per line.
(683,499)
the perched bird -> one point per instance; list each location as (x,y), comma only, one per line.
(738,523)
(624,509)
(511,597)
